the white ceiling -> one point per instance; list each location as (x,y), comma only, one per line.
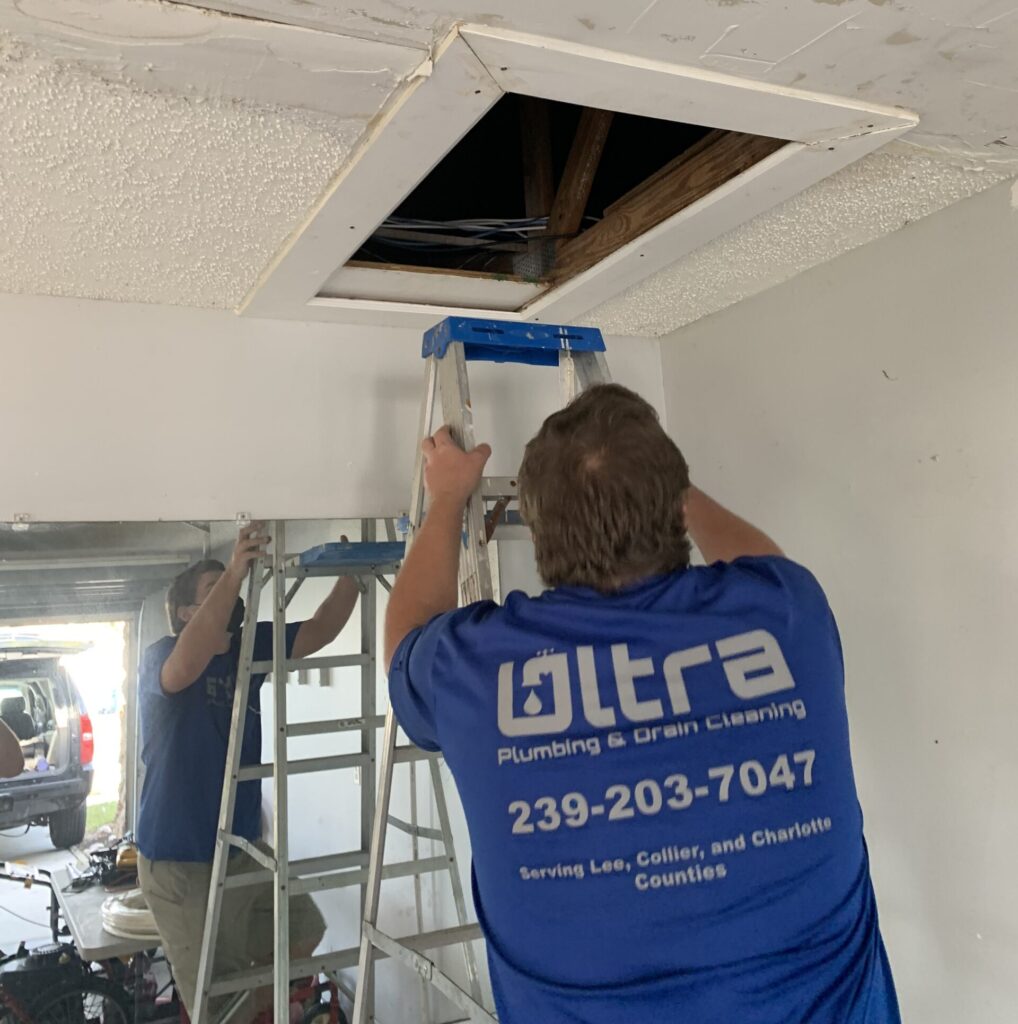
(163,152)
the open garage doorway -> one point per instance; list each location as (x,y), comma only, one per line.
(96,666)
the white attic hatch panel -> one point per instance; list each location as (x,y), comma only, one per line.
(533,179)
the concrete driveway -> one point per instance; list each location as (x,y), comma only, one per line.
(24,913)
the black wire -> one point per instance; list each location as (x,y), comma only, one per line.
(27,920)
(476,242)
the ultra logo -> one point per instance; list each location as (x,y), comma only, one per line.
(753,665)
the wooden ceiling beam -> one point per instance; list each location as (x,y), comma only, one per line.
(538,168)
(570,204)
(685,180)
(538,172)
(709,139)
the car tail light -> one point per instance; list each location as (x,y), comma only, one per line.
(87,740)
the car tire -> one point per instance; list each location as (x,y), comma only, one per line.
(67,828)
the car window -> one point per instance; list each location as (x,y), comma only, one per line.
(29,709)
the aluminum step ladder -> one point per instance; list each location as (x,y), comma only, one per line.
(579,354)
(370,562)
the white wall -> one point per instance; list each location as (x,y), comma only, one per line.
(116,411)
(867,415)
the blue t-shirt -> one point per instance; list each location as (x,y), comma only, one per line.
(659,793)
(183,747)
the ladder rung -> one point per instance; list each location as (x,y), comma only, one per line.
(256,977)
(437,939)
(335,725)
(309,764)
(343,880)
(421,866)
(405,754)
(332,661)
(499,487)
(338,872)
(301,868)
(415,830)
(511,531)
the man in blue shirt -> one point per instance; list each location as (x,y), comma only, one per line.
(186,686)
(653,758)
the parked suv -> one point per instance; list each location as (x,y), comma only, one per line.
(44,710)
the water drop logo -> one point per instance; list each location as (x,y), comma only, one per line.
(548,704)
(532,705)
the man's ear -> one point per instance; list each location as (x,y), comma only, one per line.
(185,614)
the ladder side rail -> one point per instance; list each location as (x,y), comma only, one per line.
(364,1003)
(475,585)
(369,691)
(459,900)
(280,794)
(475,570)
(220,860)
(579,371)
(592,368)
(415,853)
(424,427)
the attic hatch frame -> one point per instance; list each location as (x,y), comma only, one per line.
(470,71)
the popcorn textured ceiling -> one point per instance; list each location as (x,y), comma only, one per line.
(163,152)
(112,192)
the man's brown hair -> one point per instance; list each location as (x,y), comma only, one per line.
(184,589)
(601,488)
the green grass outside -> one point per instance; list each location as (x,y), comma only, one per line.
(100,814)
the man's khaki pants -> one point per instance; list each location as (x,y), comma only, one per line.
(177,893)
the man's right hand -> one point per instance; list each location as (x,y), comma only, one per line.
(205,634)
(450,473)
(426,584)
(250,546)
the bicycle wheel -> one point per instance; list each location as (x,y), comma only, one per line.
(321,1013)
(91,1001)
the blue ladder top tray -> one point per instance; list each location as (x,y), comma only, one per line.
(350,554)
(509,341)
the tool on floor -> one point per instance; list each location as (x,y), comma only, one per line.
(579,354)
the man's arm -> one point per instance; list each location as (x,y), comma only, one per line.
(202,638)
(325,625)
(12,760)
(721,535)
(427,585)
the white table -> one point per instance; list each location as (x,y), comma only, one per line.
(82,911)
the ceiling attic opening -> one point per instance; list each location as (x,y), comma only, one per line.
(537,192)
